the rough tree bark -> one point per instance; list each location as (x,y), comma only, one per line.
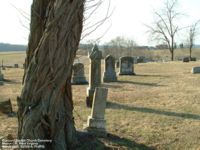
(45,104)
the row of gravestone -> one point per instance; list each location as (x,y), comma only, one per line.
(15,66)
(96,95)
(125,68)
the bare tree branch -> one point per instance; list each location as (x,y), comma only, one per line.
(192,36)
(90,28)
(164,28)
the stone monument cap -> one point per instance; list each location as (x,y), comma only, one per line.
(95,54)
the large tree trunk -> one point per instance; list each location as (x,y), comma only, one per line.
(45,105)
(172,54)
(190,50)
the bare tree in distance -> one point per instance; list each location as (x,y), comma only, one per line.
(165,27)
(191,37)
(120,46)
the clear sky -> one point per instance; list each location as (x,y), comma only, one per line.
(127,19)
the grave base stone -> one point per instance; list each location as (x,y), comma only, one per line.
(1,83)
(6,106)
(78,77)
(96,123)
(79,80)
(128,73)
(195,70)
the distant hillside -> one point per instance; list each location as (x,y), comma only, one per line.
(4,47)
(11,47)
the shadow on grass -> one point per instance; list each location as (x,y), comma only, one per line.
(87,141)
(111,85)
(127,143)
(151,75)
(153,111)
(141,83)
(11,81)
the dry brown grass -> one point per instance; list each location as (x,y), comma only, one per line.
(11,58)
(178,54)
(159,107)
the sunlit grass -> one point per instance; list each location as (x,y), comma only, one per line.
(159,107)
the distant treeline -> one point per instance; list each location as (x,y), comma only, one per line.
(11,47)
(14,47)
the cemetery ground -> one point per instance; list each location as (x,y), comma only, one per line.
(159,108)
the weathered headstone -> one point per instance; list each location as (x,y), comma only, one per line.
(141,59)
(6,106)
(195,70)
(94,74)
(16,66)
(96,122)
(1,75)
(126,66)
(193,59)
(186,59)
(109,73)
(78,76)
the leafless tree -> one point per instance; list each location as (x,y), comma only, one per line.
(119,46)
(45,105)
(192,36)
(164,27)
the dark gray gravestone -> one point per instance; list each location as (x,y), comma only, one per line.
(1,76)
(126,66)
(94,74)
(78,75)
(6,106)
(109,73)
(186,59)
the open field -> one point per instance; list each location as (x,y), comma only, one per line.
(159,108)
(11,58)
(178,54)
